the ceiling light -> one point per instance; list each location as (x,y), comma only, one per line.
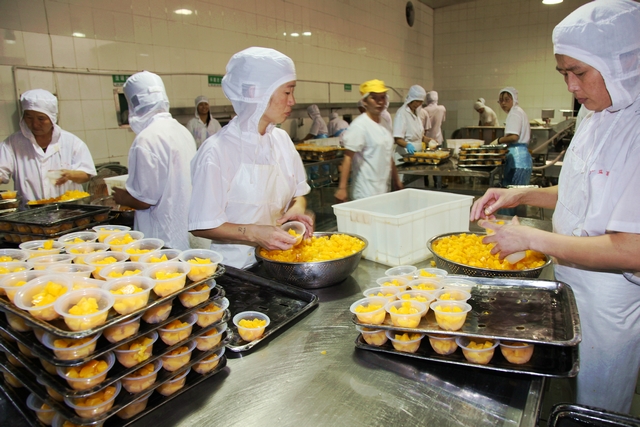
(551,1)
(284,34)
(295,35)
(306,33)
(9,37)
(81,35)
(183,12)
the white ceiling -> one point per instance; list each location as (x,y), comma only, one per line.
(434,4)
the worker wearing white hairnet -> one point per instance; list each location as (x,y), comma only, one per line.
(487,117)
(337,125)
(159,183)
(203,125)
(596,237)
(517,133)
(249,176)
(42,146)
(408,132)
(368,154)
(318,128)
(437,115)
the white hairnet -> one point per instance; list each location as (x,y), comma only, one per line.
(200,100)
(416,93)
(333,115)
(146,97)
(513,92)
(478,106)
(361,103)
(253,75)
(432,97)
(481,100)
(42,101)
(313,110)
(606,36)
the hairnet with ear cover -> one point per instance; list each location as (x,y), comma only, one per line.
(606,36)
(432,97)
(313,110)
(478,106)
(511,91)
(253,75)
(416,93)
(42,101)
(146,97)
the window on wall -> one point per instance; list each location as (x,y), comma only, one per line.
(410,13)
(122,108)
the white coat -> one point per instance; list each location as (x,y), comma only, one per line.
(200,130)
(407,126)
(437,115)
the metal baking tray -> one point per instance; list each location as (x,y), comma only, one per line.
(103,346)
(487,147)
(18,237)
(574,415)
(248,292)
(547,360)
(529,310)
(18,398)
(58,327)
(54,214)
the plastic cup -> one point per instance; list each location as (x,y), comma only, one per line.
(212,313)
(142,247)
(429,285)
(388,292)
(447,318)
(8,255)
(122,330)
(85,282)
(515,352)
(77,238)
(10,267)
(201,271)
(128,357)
(105,231)
(127,302)
(88,382)
(12,283)
(298,228)
(372,310)
(25,350)
(135,383)
(375,337)
(170,285)
(10,379)
(39,333)
(75,348)
(393,282)
(85,411)
(47,261)
(174,384)
(410,319)
(23,299)
(154,257)
(443,344)
(406,271)
(409,345)
(50,391)
(83,322)
(122,270)
(44,415)
(173,362)
(424,297)
(195,296)
(50,368)
(17,323)
(457,283)
(73,271)
(431,273)
(211,338)
(82,250)
(158,314)
(97,261)
(172,335)
(479,356)
(209,363)
(135,407)
(250,333)
(36,249)
(60,421)
(452,294)
(117,241)
(53,176)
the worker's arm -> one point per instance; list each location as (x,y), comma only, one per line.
(395,178)
(497,198)
(267,236)
(122,197)
(79,177)
(341,193)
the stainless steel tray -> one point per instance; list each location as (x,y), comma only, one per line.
(248,292)
(58,327)
(485,148)
(17,237)
(54,214)
(547,360)
(529,310)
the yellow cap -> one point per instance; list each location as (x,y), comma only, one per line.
(375,86)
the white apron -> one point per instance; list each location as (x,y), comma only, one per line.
(607,302)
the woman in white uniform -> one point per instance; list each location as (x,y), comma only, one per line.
(42,146)
(248,177)
(487,117)
(408,132)
(518,164)
(596,237)
(203,125)
(368,148)
(337,125)
(318,128)
(437,116)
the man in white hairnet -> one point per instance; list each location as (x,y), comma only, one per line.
(337,125)
(318,128)
(249,177)
(596,238)
(487,117)
(159,183)
(203,125)
(42,146)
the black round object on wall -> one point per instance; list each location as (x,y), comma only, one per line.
(410,13)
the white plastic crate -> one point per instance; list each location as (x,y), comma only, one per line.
(115,182)
(398,225)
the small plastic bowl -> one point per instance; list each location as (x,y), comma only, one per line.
(376,315)
(77,238)
(129,358)
(375,337)
(11,267)
(9,255)
(250,334)
(83,322)
(134,383)
(116,241)
(143,247)
(105,231)
(171,336)
(95,410)
(515,352)
(297,227)
(82,250)
(6,336)
(431,273)
(201,271)
(85,282)
(17,323)
(122,330)
(209,363)
(158,314)
(173,362)
(89,382)
(453,282)
(23,299)
(443,344)
(450,320)
(393,282)
(155,257)
(169,286)
(135,407)
(481,356)
(129,302)
(60,421)
(429,285)
(408,346)
(12,359)
(10,379)
(50,368)
(25,350)
(12,283)
(73,271)
(452,294)
(47,261)
(35,248)
(411,319)
(211,338)
(44,415)
(97,261)
(50,391)
(195,296)
(73,351)
(424,297)
(388,292)
(39,333)
(207,316)
(122,269)
(174,384)
(406,271)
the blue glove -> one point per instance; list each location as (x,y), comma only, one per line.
(410,148)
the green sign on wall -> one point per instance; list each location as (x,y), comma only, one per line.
(119,79)
(215,80)
(347,88)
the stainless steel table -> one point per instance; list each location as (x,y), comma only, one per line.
(451,168)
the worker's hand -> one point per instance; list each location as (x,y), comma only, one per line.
(74,176)
(509,238)
(341,195)
(272,237)
(119,195)
(410,148)
(494,199)
(305,218)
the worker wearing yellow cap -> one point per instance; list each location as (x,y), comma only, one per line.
(368,147)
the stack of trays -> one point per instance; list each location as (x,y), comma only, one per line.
(488,156)
(315,153)
(430,157)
